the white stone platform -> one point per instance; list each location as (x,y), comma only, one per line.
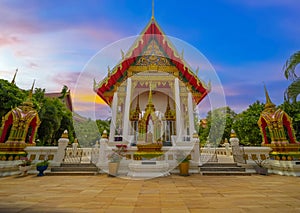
(144,169)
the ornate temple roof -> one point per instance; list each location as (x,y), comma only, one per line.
(151,51)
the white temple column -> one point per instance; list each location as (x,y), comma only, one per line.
(191,114)
(126,122)
(114,117)
(178,111)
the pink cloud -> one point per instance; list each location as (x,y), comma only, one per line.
(9,40)
(66,78)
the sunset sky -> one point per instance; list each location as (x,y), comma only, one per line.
(246,41)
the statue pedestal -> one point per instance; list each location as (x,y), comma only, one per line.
(148,169)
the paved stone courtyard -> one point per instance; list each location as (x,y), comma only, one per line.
(174,193)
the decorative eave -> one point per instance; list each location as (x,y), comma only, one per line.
(106,88)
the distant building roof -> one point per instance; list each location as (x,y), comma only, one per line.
(67,100)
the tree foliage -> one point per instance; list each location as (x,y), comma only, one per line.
(289,68)
(219,124)
(246,126)
(293,110)
(10,96)
(103,125)
(55,118)
(87,132)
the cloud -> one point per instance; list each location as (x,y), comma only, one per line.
(66,78)
(10,40)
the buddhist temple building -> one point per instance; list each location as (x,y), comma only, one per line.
(152,92)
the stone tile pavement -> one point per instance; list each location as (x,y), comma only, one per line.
(174,193)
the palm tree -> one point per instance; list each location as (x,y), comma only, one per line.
(289,68)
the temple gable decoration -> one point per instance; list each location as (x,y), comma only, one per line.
(151,51)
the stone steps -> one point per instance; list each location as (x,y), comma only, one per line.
(222,169)
(74,169)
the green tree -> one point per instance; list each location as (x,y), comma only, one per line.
(289,68)
(10,97)
(293,110)
(55,118)
(246,126)
(103,125)
(87,132)
(219,124)
(50,116)
(64,92)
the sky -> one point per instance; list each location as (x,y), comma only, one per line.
(246,41)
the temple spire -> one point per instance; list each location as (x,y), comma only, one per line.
(28,101)
(152,17)
(14,79)
(31,90)
(269,103)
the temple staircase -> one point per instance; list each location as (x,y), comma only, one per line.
(221,169)
(74,169)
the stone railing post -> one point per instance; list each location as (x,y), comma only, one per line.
(226,144)
(103,146)
(196,148)
(62,144)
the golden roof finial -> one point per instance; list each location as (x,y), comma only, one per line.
(197,71)
(28,101)
(14,79)
(122,54)
(269,103)
(152,17)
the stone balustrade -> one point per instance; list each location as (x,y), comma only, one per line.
(251,154)
(40,153)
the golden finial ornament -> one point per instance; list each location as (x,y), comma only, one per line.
(197,71)
(269,104)
(104,134)
(108,71)
(65,134)
(232,134)
(122,54)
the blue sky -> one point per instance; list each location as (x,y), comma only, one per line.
(247,41)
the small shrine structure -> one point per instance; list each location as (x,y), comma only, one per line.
(277,132)
(18,130)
